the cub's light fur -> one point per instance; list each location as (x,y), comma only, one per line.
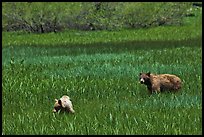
(63,104)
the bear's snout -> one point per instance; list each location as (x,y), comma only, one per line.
(142,81)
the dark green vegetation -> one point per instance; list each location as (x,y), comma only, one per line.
(99,71)
(42,17)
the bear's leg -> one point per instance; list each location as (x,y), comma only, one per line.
(156,89)
(70,109)
(150,91)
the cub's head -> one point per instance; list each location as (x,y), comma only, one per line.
(144,78)
(57,105)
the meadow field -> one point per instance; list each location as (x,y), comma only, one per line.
(99,70)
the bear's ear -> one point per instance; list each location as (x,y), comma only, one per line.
(60,102)
(56,100)
(148,74)
(140,73)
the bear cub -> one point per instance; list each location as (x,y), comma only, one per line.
(160,82)
(64,104)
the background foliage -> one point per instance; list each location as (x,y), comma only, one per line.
(56,16)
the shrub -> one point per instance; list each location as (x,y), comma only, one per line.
(52,17)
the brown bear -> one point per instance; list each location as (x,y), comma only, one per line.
(64,104)
(161,82)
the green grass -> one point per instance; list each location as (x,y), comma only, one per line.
(78,37)
(99,71)
(105,91)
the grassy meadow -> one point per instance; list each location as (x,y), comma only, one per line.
(99,71)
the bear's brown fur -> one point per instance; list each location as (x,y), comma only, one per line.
(64,104)
(161,82)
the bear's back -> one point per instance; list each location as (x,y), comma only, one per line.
(66,103)
(169,81)
(172,78)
